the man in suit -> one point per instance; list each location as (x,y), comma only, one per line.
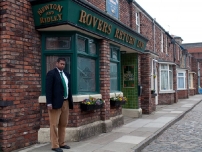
(59,101)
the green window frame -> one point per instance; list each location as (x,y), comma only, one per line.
(87,58)
(115,69)
(73,54)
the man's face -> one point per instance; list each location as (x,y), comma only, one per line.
(60,65)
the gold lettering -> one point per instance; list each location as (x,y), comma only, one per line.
(127,38)
(109,29)
(140,44)
(40,12)
(48,19)
(59,8)
(117,33)
(55,18)
(51,6)
(46,7)
(55,7)
(131,39)
(99,27)
(41,20)
(94,21)
(120,35)
(124,35)
(42,9)
(52,18)
(89,19)
(82,17)
(60,16)
(104,27)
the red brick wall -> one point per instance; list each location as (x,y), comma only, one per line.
(166,98)
(183,94)
(20,59)
(147,104)
(192,92)
(99,4)
(105,77)
(124,14)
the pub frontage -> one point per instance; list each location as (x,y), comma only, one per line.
(102,58)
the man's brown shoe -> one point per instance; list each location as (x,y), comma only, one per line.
(65,147)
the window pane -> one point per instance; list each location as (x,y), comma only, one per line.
(181,82)
(171,79)
(170,67)
(58,43)
(81,45)
(92,48)
(164,80)
(51,63)
(164,66)
(114,54)
(86,75)
(113,76)
(180,74)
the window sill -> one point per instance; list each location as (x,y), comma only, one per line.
(167,91)
(76,98)
(181,89)
(117,93)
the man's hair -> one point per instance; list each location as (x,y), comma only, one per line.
(59,59)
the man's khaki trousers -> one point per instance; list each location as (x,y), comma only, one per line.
(58,118)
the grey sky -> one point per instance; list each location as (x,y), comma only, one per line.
(180,17)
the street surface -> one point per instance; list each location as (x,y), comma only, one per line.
(183,136)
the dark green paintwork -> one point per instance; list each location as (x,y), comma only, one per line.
(71,15)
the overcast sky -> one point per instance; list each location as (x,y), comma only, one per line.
(180,17)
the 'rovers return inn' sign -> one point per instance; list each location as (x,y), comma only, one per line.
(69,12)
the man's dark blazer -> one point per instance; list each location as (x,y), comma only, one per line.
(55,89)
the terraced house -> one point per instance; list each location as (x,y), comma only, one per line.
(112,47)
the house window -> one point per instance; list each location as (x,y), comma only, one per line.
(114,69)
(166,74)
(161,41)
(138,22)
(191,84)
(181,80)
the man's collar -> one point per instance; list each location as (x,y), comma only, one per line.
(59,70)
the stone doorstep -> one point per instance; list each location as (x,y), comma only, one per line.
(85,131)
(132,113)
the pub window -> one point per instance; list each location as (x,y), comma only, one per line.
(58,43)
(87,66)
(114,69)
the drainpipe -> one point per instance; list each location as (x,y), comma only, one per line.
(154,63)
(154,36)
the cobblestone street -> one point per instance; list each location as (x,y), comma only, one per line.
(183,136)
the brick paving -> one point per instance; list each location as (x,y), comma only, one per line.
(183,136)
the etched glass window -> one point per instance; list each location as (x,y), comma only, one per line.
(86,75)
(114,54)
(58,43)
(92,47)
(113,76)
(51,63)
(81,44)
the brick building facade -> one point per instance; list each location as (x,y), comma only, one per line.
(138,42)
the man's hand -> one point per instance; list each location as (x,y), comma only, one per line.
(49,106)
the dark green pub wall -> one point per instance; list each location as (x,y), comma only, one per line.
(130,93)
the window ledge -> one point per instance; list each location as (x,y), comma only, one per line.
(167,91)
(117,93)
(181,89)
(76,98)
